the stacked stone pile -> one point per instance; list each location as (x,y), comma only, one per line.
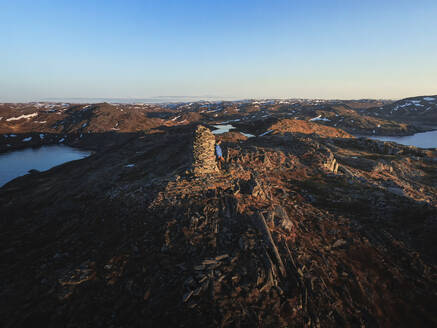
(204,160)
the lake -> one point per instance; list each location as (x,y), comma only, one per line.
(19,162)
(423,140)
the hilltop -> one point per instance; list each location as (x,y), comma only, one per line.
(307,225)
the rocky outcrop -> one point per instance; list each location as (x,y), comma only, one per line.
(300,126)
(331,164)
(204,161)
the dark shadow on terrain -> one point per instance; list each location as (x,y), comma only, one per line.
(256,127)
(163,115)
(378,212)
(81,215)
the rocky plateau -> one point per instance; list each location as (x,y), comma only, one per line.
(306,224)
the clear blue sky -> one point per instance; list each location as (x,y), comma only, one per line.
(139,49)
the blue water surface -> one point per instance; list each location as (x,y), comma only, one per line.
(17,163)
(422,140)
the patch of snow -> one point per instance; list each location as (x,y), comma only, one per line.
(379,125)
(174,119)
(26,139)
(129,165)
(41,136)
(222,128)
(21,117)
(84,125)
(320,118)
(265,133)
(41,122)
(12,135)
(397,107)
(341,119)
(61,140)
(429,98)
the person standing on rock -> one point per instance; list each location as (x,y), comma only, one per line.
(218,152)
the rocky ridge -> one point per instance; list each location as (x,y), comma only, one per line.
(299,229)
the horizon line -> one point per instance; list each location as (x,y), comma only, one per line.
(173,99)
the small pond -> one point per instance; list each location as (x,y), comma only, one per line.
(17,163)
(423,140)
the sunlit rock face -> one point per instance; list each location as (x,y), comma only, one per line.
(204,161)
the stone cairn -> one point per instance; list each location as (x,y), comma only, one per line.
(204,161)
